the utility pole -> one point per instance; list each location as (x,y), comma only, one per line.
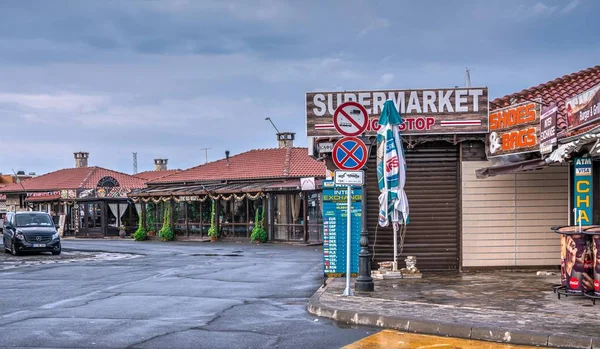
(135,163)
(468,77)
(205,153)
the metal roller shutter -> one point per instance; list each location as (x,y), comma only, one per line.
(432,187)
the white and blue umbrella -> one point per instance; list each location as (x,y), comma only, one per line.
(391,172)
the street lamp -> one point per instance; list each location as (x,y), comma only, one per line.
(271,121)
(364,281)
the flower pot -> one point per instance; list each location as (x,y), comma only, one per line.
(213,238)
(151,233)
(122,234)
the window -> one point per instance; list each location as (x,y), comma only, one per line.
(160,215)
(288,211)
(240,213)
(194,218)
(179,215)
(315,217)
(34,220)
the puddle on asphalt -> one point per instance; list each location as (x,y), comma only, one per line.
(216,255)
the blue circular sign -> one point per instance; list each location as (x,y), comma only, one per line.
(349,153)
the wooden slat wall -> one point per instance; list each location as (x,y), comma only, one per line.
(433,190)
(506,219)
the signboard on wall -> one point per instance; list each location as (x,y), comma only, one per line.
(582,184)
(334,229)
(425,111)
(61,224)
(514,129)
(548,129)
(583,109)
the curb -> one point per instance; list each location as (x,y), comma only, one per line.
(315,307)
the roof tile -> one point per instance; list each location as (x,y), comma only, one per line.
(253,164)
(557,90)
(74,178)
(152,175)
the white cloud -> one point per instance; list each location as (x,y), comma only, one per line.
(570,6)
(378,23)
(542,9)
(385,79)
(65,102)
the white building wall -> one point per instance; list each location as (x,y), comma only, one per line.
(506,219)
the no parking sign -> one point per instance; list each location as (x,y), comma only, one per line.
(349,153)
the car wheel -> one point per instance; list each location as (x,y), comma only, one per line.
(14,251)
(56,250)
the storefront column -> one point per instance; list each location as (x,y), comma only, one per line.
(305,219)
(269,210)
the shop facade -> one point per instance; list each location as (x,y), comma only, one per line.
(541,174)
(264,183)
(441,126)
(482,198)
(83,201)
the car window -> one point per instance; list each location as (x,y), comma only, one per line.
(33,220)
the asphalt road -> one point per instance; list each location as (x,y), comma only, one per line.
(178,295)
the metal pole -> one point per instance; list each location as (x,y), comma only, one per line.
(395,267)
(348,291)
(364,281)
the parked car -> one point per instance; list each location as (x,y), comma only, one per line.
(30,232)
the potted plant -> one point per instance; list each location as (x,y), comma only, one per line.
(258,233)
(213,231)
(140,234)
(166,232)
(122,231)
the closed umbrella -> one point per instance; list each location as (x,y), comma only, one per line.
(391,173)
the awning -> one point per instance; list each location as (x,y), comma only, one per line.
(526,165)
(203,189)
(43,198)
(575,144)
(292,185)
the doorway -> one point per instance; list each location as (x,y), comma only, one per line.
(92,219)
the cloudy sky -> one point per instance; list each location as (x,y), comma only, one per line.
(167,78)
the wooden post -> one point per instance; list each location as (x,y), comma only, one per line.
(172,215)
(305,209)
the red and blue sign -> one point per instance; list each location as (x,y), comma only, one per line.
(349,153)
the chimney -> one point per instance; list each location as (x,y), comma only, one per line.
(286,139)
(227,156)
(81,159)
(160,164)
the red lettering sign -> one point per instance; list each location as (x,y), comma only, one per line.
(391,163)
(574,283)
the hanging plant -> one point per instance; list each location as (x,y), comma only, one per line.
(140,234)
(166,233)
(258,233)
(212,231)
(150,220)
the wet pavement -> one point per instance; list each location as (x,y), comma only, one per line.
(175,295)
(8,261)
(511,307)
(389,339)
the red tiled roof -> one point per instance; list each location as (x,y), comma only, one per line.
(253,164)
(152,175)
(74,178)
(557,90)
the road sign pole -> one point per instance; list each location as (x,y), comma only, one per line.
(348,291)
